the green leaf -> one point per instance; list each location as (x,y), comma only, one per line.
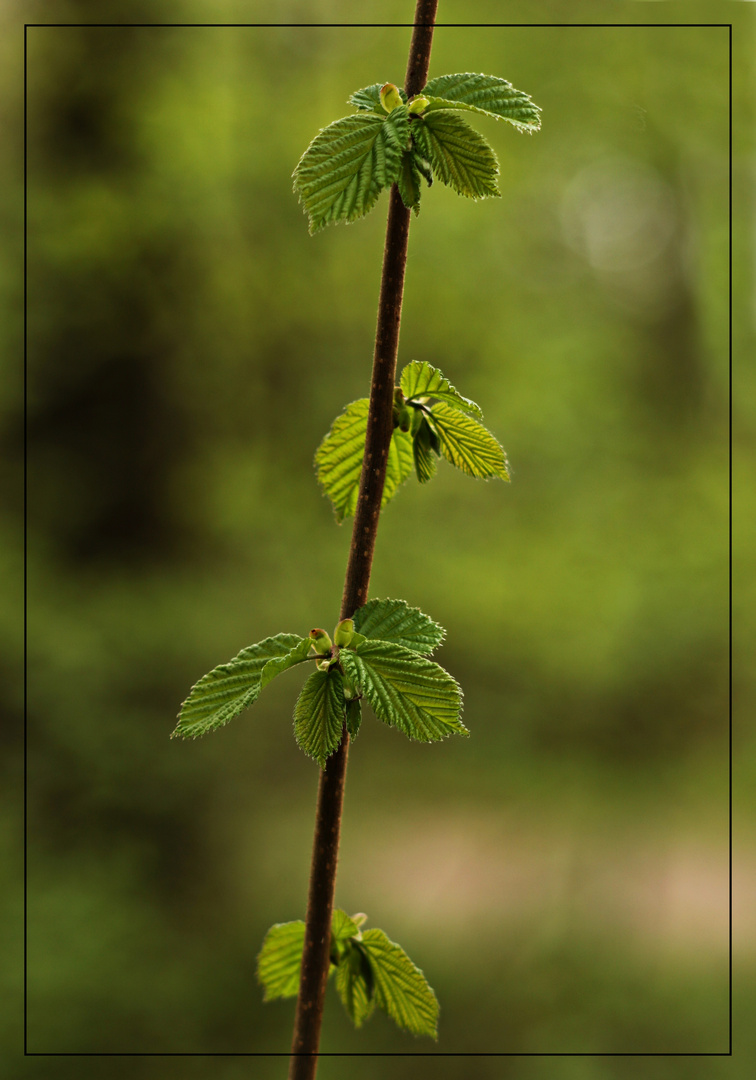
(406,690)
(395,621)
(468,445)
(343,926)
(458,155)
(420,379)
(401,989)
(485,94)
(338,459)
(347,165)
(229,688)
(370,98)
(280,960)
(274,667)
(355,983)
(319,715)
(425,462)
(353,717)
(408,181)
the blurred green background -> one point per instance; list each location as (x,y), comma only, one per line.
(561,876)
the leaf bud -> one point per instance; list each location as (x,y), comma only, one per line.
(418,104)
(390,98)
(344,632)
(321,642)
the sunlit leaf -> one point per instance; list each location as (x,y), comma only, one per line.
(421,380)
(338,459)
(468,445)
(401,988)
(280,960)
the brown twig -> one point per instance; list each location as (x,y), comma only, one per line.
(325,849)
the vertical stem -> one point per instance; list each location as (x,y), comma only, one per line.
(325,849)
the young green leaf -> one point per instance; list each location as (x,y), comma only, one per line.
(459,156)
(401,989)
(347,165)
(421,380)
(395,621)
(319,715)
(406,690)
(355,983)
(370,98)
(274,667)
(408,182)
(485,94)
(343,926)
(467,444)
(229,688)
(338,459)
(280,960)
(353,717)
(425,462)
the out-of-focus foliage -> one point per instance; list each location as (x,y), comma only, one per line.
(560,876)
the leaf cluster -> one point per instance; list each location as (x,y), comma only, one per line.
(431,420)
(347,165)
(384,660)
(370,971)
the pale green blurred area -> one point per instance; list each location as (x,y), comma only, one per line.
(561,876)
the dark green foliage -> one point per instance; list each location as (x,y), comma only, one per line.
(458,155)
(319,714)
(406,690)
(397,622)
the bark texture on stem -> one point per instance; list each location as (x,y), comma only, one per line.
(325,849)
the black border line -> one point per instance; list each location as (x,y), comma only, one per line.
(25,572)
(359,1054)
(358,26)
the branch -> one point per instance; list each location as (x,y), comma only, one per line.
(325,849)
